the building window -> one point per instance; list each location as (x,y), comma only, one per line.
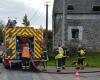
(75,33)
(70,7)
(96,8)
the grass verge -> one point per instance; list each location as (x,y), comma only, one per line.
(93,61)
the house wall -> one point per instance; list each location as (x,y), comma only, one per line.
(83,18)
(90,36)
(89,27)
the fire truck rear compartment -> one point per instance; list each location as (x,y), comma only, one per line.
(20,42)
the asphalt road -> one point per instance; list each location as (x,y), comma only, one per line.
(25,75)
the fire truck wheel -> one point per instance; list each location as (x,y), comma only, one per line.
(6,64)
(6,67)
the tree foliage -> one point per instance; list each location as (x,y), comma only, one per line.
(1,31)
(26,22)
(49,37)
(1,25)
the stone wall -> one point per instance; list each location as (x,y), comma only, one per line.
(91,33)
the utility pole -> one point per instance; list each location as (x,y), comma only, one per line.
(46,17)
(63,23)
(46,36)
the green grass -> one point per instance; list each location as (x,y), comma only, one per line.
(93,61)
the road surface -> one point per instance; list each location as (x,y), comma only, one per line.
(25,75)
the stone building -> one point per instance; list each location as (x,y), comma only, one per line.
(81,23)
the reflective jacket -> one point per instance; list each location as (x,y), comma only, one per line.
(82,52)
(60,53)
(25,52)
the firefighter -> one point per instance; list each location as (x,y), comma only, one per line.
(81,58)
(26,57)
(59,58)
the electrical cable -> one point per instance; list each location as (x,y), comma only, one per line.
(37,10)
(42,14)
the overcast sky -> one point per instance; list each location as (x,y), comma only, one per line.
(35,9)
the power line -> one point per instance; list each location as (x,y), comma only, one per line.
(40,15)
(37,10)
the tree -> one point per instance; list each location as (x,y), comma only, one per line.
(1,31)
(1,25)
(50,36)
(26,22)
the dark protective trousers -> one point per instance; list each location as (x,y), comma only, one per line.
(25,62)
(61,62)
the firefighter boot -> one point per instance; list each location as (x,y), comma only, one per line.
(63,67)
(27,65)
(58,70)
(23,66)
